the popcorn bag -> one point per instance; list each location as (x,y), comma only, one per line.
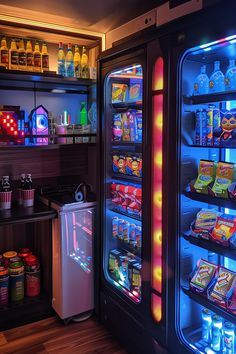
(5,200)
(27,197)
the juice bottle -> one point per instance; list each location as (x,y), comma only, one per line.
(22,56)
(13,56)
(69,62)
(4,53)
(29,56)
(61,70)
(230,76)
(77,62)
(201,83)
(45,57)
(216,83)
(84,64)
(37,58)
(83,114)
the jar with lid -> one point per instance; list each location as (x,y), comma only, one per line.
(4,286)
(32,276)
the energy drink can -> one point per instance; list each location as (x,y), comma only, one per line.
(201,127)
(126,231)
(132,235)
(138,236)
(209,127)
(115,221)
(121,229)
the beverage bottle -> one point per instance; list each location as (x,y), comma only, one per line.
(61,70)
(5,184)
(201,83)
(70,72)
(28,181)
(83,114)
(216,333)
(217,82)
(22,56)
(206,325)
(230,76)
(29,56)
(13,55)
(45,57)
(22,181)
(4,53)
(77,62)
(84,64)
(228,338)
(37,58)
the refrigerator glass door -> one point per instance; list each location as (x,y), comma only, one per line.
(123,162)
(207,198)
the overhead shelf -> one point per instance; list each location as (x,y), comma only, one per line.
(127,105)
(211,97)
(205,198)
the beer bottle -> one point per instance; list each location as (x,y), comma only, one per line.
(29,56)
(61,70)
(13,56)
(22,55)
(69,62)
(77,62)
(84,64)
(4,53)
(45,57)
(37,58)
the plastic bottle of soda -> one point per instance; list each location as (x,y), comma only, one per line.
(4,53)
(77,62)
(22,56)
(61,70)
(13,56)
(29,56)
(83,114)
(37,58)
(217,82)
(45,57)
(70,72)
(84,64)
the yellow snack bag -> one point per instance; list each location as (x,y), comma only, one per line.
(205,176)
(224,177)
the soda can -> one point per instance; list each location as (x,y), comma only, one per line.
(200,127)
(115,221)
(216,125)
(121,229)
(209,127)
(216,333)
(126,231)
(138,236)
(123,268)
(113,264)
(206,325)
(132,235)
(229,337)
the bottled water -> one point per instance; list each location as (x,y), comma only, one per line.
(61,70)
(201,83)
(229,338)
(216,83)
(230,76)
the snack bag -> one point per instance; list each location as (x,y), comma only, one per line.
(205,176)
(115,165)
(204,223)
(224,176)
(224,229)
(134,165)
(203,276)
(117,127)
(119,92)
(118,163)
(135,205)
(131,117)
(125,127)
(224,286)
(138,126)
(135,91)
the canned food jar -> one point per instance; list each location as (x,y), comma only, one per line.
(31,263)
(17,287)
(25,252)
(8,255)
(4,286)
(32,283)
(16,268)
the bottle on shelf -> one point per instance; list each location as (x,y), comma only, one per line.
(5,185)
(61,70)
(229,338)
(84,64)
(45,57)
(201,83)
(37,58)
(13,55)
(22,56)
(29,56)
(4,53)
(77,62)
(70,72)
(230,76)
(28,182)
(217,81)
(83,114)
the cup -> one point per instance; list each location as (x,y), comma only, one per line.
(5,200)
(27,197)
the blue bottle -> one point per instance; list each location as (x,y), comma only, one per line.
(216,333)
(201,83)
(230,76)
(206,325)
(217,82)
(61,70)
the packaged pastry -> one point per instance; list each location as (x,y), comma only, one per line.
(224,177)
(204,223)
(203,276)
(205,176)
(224,286)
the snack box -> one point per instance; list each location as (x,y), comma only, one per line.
(224,176)
(119,92)
(224,229)
(135,91)
(204,274)
(205,176)
(204,223)
(224,286)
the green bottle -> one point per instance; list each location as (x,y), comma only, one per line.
(83,114)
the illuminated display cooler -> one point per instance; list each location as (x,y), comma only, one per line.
(202,220)
(130,281)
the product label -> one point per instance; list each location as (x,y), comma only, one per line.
(37,60)
(45,61)
(4,56)
(22,58)
(30,59)
(14,57)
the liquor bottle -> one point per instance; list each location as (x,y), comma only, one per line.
(77,62)
(4,53)
(217,82)
(13,56)
(29,56)
(22,56)
(45,57)
(28,182)
(84,64)
(201,83)
(5,185)
(230,76)
(83,114)
(37,58)
(61,70)
(70,72)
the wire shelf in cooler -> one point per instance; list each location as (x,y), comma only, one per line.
(211,97)
(210,305)
(211,146)
(205,198)
(128,248)
(129,178)
(211,246)
(127,105)
(135,217)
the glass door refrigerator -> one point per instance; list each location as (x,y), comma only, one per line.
(203,223)
(130,284)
